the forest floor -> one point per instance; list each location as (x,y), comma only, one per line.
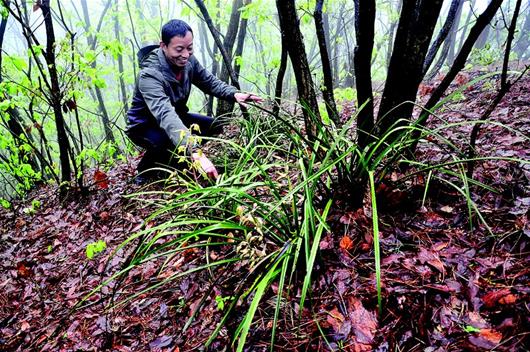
(446,287)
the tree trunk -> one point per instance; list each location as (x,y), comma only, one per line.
(224,108)
(504,88)
(415,30)
(215,65)
(56,96)
(123,90)
(292,37)
(364,33)
(215,35)
(483,38)
(482,21)
(466,24)
(327,90)
(92,42)
(522,47)
(391,33)
(448,26)
(279,80)
(240,45)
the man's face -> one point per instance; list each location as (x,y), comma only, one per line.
(179,49)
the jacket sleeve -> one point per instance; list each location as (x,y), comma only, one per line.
(151,87)
(210,84)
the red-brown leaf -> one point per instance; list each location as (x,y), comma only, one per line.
(101,180)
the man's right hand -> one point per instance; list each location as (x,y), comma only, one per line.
(205,164)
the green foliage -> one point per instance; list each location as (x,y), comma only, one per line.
(4,203)
(485,56)
(94,248)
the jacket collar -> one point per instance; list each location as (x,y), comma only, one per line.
(167,71)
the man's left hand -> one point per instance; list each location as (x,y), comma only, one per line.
(243,98)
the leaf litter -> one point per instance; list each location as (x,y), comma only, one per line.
(445,286)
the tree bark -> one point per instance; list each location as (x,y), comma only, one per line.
(504,88)
(92,42)
(448,26)
(327,90)
(415,30)
(224,108)
(522,47)
(292,37)
(447,54)
(364,33)
(56,96)
(279,80)
(123,90)
(216,37)
(391,33)
(482,21)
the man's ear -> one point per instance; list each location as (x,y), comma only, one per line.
(162,44)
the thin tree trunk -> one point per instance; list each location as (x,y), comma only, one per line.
(123,90)
(415,30)
(279,80)
(482,21)
(56,96)
(522,47)
(466,24)
(92,42)
(444,32)
(391,33)
(364,33)
(447,54)
(216,37)
(504,88)
(327,90)
(292,37)
(224,108)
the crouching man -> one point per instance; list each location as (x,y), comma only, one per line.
(158,119)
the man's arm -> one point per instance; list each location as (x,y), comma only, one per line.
(210,84)
(152,90)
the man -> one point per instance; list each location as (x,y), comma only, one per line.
(158,119)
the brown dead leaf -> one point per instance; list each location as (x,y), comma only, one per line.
(23,270)
(364,322)
(101,179)
(487,338)
(24,326)
(491,299)
(335,319)
(431,258)
(508,299)
(346,243)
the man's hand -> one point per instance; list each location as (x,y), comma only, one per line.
(205,164)
(243,98)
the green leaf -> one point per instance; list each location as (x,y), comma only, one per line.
(99,82)
(471,329)
(95,248)
(90,55)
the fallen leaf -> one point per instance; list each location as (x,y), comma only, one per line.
(24,326)
(431,258)
(101,179)
(346,243)
(23,270)
(364,323)
(487,338)
(447,209)
(491,299)
(161,342)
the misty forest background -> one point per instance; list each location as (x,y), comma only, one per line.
(378,198)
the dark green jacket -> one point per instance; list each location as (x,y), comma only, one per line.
(159,98)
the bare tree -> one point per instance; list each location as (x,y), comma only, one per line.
(327,90)
(292,37)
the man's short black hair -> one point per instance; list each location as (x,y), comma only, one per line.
(174,28)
